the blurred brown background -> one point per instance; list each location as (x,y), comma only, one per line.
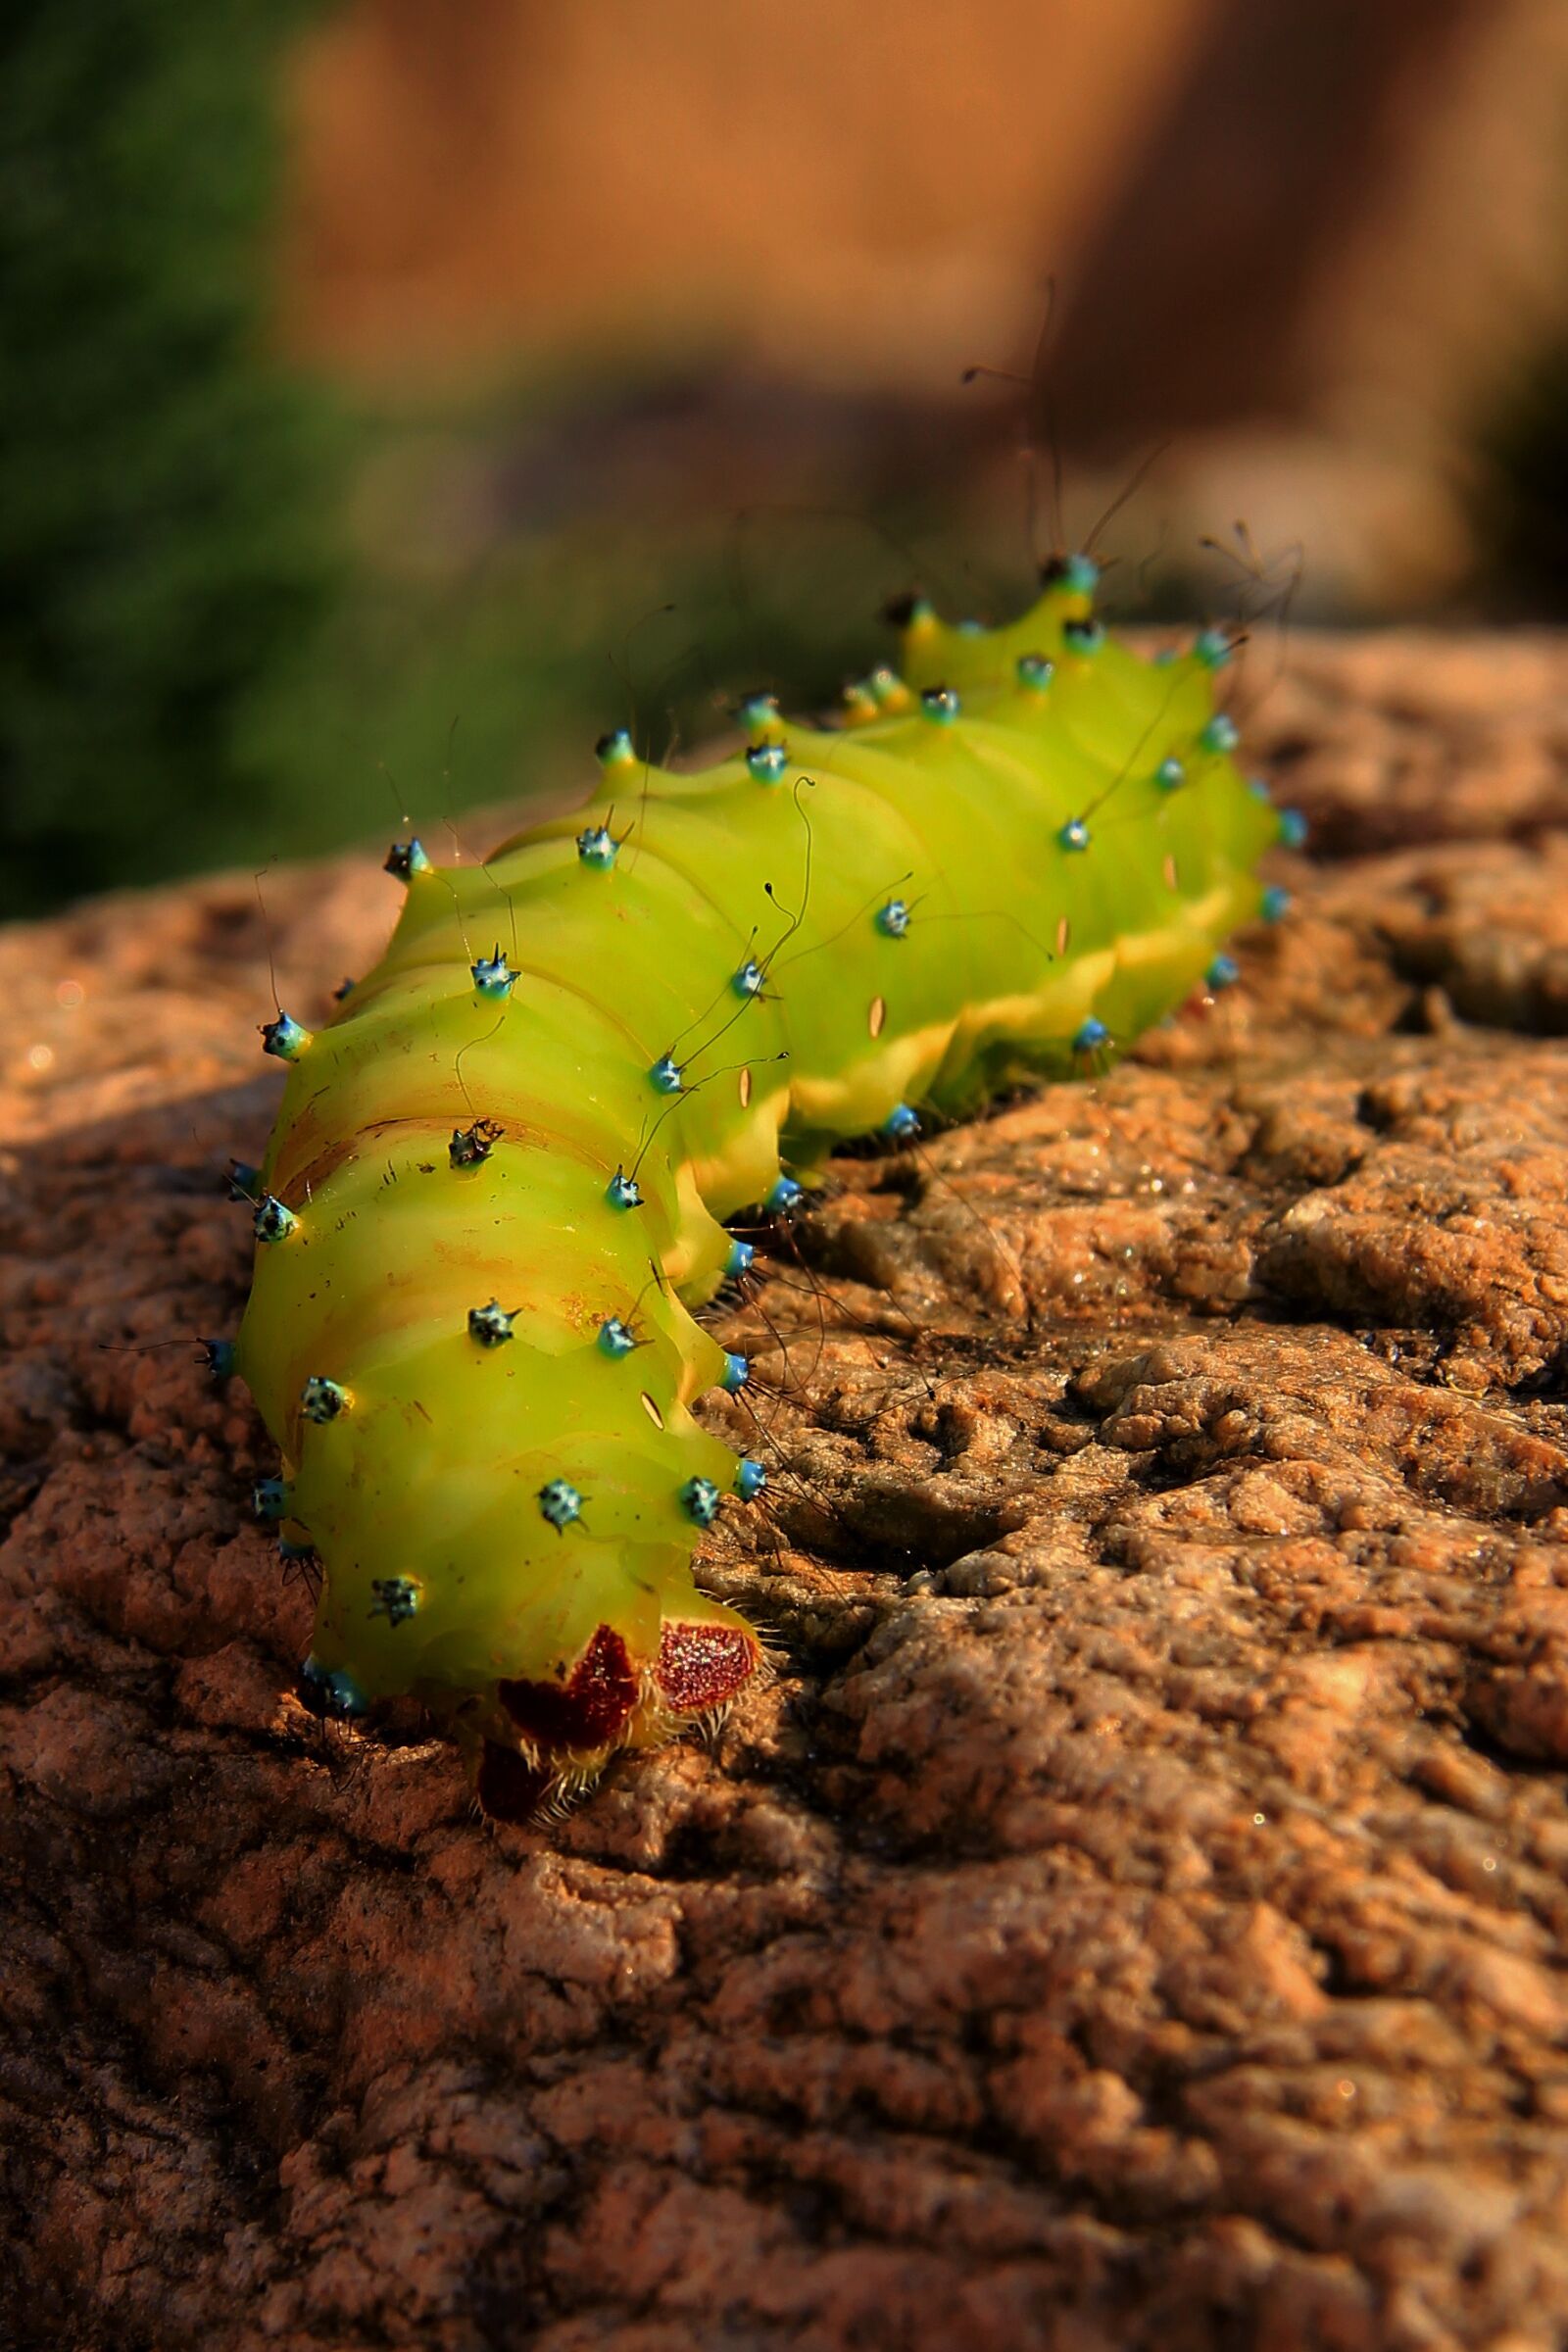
(1312,243)
(395,393)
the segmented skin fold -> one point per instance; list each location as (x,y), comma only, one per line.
(496,1194)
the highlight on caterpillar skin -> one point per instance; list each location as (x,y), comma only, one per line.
(496,1195)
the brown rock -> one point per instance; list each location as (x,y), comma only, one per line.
(1132,1915)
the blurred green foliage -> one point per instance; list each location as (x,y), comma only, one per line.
(165,544)
(238,619)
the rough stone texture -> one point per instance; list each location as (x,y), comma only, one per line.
(1132,1913)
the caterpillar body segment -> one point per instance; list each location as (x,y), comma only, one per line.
(502,1170)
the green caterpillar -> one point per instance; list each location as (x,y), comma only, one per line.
(497,1187)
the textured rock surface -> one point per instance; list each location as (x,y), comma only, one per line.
(1133,1913)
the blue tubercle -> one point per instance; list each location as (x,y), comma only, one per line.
(1219,734)
(1090,1036)
(893,919)
(617,1337)
(1079,574)
(329,1692)
(1035,672)
(1223,972)
(1170,774)
(939,703)
(699,1499)
(784,1197)
(598,848)
(285,1038)
(902,1124)
(405,859)
(1212,648)
(493,977)
(736,1373)
(273,1222)
(397,1598)
(322,1400)
(490,1326)
(621,1191)
(472,1145)
(559,1503)
(1276,902)
(747,980)
(739,1260)
(1074,834)
(749,1478)
(269,1498)
(766,762)
(1294,829)
(665,1075)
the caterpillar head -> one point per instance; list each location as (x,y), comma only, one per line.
(538,1597)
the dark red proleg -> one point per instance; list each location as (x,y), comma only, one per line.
(507,1788)
(588,1710)
(702,1665)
